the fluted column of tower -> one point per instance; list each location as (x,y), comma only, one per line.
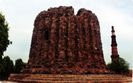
(115,55)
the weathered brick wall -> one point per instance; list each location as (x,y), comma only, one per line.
(66,43)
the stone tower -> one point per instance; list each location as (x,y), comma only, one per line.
(64,43)
(115,55)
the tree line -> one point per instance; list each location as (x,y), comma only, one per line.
(7,67)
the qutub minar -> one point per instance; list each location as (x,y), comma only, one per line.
(115,55)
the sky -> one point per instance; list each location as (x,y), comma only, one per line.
(20,15)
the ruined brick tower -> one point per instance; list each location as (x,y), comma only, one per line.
(64,43)
(115,55)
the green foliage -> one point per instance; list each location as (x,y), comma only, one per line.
(121,67)
(6,64)
(6,67)
(19,65)
(4,41)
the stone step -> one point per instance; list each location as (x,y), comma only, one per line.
(49,78)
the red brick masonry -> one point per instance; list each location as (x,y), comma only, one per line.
(64,43)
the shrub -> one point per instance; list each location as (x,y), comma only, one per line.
(121,67)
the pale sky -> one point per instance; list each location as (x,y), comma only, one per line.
(20,14)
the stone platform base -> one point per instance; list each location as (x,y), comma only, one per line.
(91,78)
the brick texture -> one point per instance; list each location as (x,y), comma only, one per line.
(64,43)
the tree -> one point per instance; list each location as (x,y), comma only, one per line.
(121,67)
(4,41)
(19,65)
(7,67)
